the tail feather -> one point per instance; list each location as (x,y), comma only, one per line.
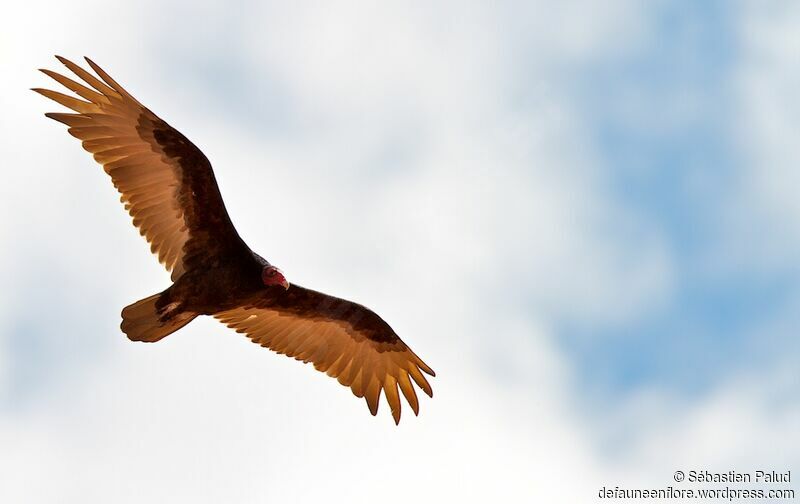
(143,321)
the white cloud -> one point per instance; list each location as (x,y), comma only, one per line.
(765,211)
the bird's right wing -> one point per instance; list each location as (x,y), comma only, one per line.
(166,183)
(343,339)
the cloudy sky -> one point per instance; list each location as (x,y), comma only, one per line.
(583,217)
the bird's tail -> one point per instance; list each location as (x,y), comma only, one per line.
(146,321)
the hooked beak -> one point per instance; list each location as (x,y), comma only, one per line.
(285,284)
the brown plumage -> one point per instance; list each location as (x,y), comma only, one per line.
(168,187)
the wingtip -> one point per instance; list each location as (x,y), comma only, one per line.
(414,403)
(373,408)
(55,116)
(396,412)
(424,367)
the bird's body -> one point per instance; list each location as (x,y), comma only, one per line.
(223,285)
(168,187)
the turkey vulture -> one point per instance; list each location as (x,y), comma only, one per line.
(168,187)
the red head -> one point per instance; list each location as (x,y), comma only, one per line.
(271,275)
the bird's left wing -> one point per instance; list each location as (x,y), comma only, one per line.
(166,183)
(341,338)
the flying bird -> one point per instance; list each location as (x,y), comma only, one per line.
(168,187)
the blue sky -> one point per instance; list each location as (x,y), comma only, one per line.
(581,217)
(663,117)
(659,115)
